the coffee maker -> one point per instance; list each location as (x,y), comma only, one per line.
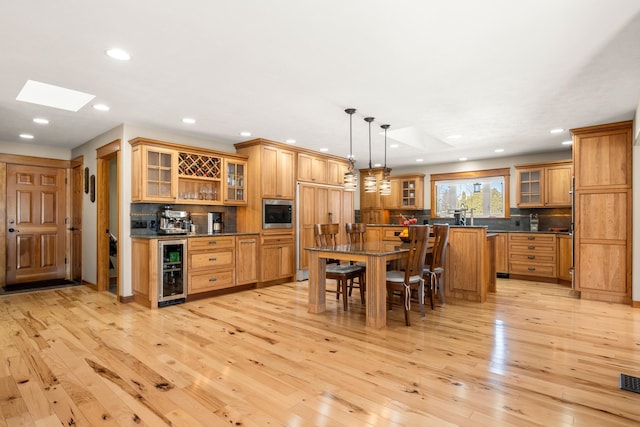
(215,222)
(173,222)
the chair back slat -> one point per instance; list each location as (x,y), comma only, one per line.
(441,232)
(418,242)
(325,234)
(356,232)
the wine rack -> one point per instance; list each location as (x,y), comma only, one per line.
(197,165)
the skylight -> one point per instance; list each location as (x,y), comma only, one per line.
(53,96)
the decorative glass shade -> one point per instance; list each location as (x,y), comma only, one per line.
(370,183)
(350,181)
(385,187)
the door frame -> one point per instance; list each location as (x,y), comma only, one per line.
(16,159)
(104,155)
(77,162)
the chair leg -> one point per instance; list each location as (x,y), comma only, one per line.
(345,298)
(440,288)
(362,287)
(404,307)
(338,283)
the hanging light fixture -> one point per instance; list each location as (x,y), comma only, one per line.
(477,187)
(385,182)
(370,182)
(350,179)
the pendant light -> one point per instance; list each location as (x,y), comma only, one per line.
(370,182)
(350,180)
(385,182)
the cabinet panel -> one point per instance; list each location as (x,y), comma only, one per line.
(312,168)
(558,186)
(209,243)
(502,252)
(222,258)
(565,253)
(246,260)
(277,173)
(210,281)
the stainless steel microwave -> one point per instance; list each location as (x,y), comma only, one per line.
(277,213)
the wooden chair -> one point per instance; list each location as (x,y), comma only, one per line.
(433,273)
(356,234)
(325,235)
(410,278)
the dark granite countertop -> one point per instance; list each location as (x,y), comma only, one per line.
(189,235)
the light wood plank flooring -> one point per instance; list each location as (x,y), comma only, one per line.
(531,355)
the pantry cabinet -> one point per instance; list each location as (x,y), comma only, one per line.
(603,211)
(544,185)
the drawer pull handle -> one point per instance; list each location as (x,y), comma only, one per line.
(247,242)
(213,279)
(531,257)
(532,269)
(531,237)
(213,259)
(531,247)
(212,242)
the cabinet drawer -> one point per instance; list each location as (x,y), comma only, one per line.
(277,240)
(532,269)
(533,258)
(208,243)
(211,259)
(532,247)
(534,238)
(391,233)
(209,281)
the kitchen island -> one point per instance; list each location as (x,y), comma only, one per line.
(469,274)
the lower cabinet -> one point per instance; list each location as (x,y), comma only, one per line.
(565,255)
(533,254)
(277,257)
(502,253)
(211,263)
(246,259)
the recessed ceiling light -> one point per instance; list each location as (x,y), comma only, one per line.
(394,145)
(245,133)
(119,54)
(188,120)
(559,130)
(290,141)
(324,150)
(462,159)
(419,160)
(499,150)
(569,142)
(26,136)
(41,121)
(53,96)
(455,136)
(101,107)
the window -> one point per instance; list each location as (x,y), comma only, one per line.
(486,192)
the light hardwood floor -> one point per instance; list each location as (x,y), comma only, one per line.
(531,355)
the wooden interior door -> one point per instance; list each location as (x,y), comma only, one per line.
(35,223)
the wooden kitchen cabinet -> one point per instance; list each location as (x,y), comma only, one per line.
(211,264)
(544,185)
(277,257)
(278,167)
(235,182)
(335,171)
(312,168)
(370,200)
(247,259)
(502,253)
(565,255)
(533,254)
(154,174)
(603,211)
(468,271)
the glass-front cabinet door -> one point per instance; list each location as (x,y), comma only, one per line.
(530,187)
(235,191)
(159,168)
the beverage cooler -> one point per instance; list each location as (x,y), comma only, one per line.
(172,272)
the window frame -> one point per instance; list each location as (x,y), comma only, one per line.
(505,173)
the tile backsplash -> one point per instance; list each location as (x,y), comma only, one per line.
(149,212)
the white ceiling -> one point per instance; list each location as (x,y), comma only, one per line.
(501,73)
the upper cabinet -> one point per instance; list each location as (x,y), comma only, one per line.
(277,173)
(154,174)
(407,192)
(321,169)
(544,185)
(171,173)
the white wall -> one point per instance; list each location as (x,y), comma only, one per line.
(36,150)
